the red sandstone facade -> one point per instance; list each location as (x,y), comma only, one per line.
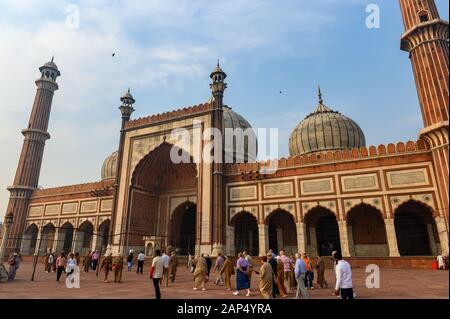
(384,201)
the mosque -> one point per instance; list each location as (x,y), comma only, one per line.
(333,192)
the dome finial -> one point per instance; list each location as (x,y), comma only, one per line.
(53,57)
(218,63)
(319,94)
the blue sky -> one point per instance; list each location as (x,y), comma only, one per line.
(165,51)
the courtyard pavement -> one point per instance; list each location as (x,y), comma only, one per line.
(394,284)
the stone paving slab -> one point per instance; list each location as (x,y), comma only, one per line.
(394,284)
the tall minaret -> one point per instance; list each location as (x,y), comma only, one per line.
(218,87)
(28,169)
(426,40)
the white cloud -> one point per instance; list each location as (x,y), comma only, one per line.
(157,44)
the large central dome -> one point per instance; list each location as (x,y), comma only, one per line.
(325,130)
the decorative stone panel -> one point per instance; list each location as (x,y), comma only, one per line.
(316,186)
(363,182)
(241,193)
(35,211)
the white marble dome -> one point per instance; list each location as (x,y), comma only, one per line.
(325,130)
(109,166)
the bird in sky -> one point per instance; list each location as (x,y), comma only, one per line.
(113,54)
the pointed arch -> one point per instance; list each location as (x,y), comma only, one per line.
(48,236)
(322,231)
(183,230)
(367,231)
(245,232)
(30,239)
(416,229)
(282,231)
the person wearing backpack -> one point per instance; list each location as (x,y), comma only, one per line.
(13,262)
(130,260)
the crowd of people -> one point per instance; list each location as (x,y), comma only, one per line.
(279,275)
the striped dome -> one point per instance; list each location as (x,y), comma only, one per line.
(109,166)
(325,130)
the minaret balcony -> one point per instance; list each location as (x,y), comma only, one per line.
(435,30)
(35,134)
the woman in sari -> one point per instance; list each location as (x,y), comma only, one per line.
(200,272)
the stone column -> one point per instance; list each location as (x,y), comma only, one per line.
(58,242)
(301,237)
(351,244)
(5,238)
(391,237)
(26,245)
(443,234)
(43,237)
(95,240)
(313,236)
(343,235)
(432,240)
(77,241)
(230,249)
(280,238)
(250,241)
(263,236)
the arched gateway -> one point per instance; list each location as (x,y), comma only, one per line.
(162,199)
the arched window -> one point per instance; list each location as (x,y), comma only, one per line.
(423,16)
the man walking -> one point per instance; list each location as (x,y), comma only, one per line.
(273,263)
(166,264)
(218,267)
(95,258)
(14,261)
(140,263)
(173,266)
(156,272)
(130,260)
(321,272)
(287,269)
(117,268)
(60,265)
(227,270)
(343,278)
(87,261)
(49,260)
(265,279)
(300,275)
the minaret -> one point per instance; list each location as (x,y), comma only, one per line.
(426,41)
(29,167)
(126,109)
(218,87)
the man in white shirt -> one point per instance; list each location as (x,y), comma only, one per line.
(140,266)
(343,278)
(156,272)
(166,260)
